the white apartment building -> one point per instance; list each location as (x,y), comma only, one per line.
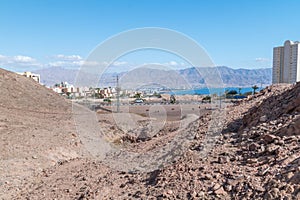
(286,63)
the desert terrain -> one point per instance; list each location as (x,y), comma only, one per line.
(53,149)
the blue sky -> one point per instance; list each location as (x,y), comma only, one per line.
(238,34)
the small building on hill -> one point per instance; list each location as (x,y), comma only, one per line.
(35,77)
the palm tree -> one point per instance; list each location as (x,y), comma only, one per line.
(254,88)
(240,91)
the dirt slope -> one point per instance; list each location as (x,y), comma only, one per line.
(257,156)
(36,130)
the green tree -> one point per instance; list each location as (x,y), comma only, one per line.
(206,99)
(69,95)
(232,92)
(137,95)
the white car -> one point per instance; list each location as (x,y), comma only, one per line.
(138,101)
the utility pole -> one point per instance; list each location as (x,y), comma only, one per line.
(118,95)
(220,100)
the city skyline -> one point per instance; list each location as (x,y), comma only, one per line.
(62,33)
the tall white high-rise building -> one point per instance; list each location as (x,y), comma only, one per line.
(286,63)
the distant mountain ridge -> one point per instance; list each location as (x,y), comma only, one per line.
(175,79)
(232,77)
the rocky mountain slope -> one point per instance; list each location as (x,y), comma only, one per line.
(256,157)
(231,77)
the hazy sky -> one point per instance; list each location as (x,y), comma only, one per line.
(239,34)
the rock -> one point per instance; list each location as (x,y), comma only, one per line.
(262,148)
(258,188)
(272,148)
(297,196)
(221,192)
(262,172)
(169,192)
(289,175)
(252,161)
(272,194)
(223,159)
(253,146)
(268,138)
(280,142)
(201,194)
(228,187)
(216,186)
(207,177)
(194,194)
(263,118)
(295,179)
(289,189)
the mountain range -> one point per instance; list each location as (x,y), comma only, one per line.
(175,79)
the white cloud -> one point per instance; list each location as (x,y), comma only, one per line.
(24,59)
(62,63)
(119,63)
(23,62)
(67,57)
(262,59)
(68,61)
(73,64)
(2,57)
(173,63)
(19,62)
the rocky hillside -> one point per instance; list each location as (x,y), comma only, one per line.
(256,157)
(278,107)
(268,137)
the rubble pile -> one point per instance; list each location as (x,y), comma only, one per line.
(257,156)
(269,141)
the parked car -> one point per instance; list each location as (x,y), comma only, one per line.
(139,101)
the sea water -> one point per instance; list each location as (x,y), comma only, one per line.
(211,91)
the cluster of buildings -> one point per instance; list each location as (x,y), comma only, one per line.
(286,63)
(64,88)
(70,90)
